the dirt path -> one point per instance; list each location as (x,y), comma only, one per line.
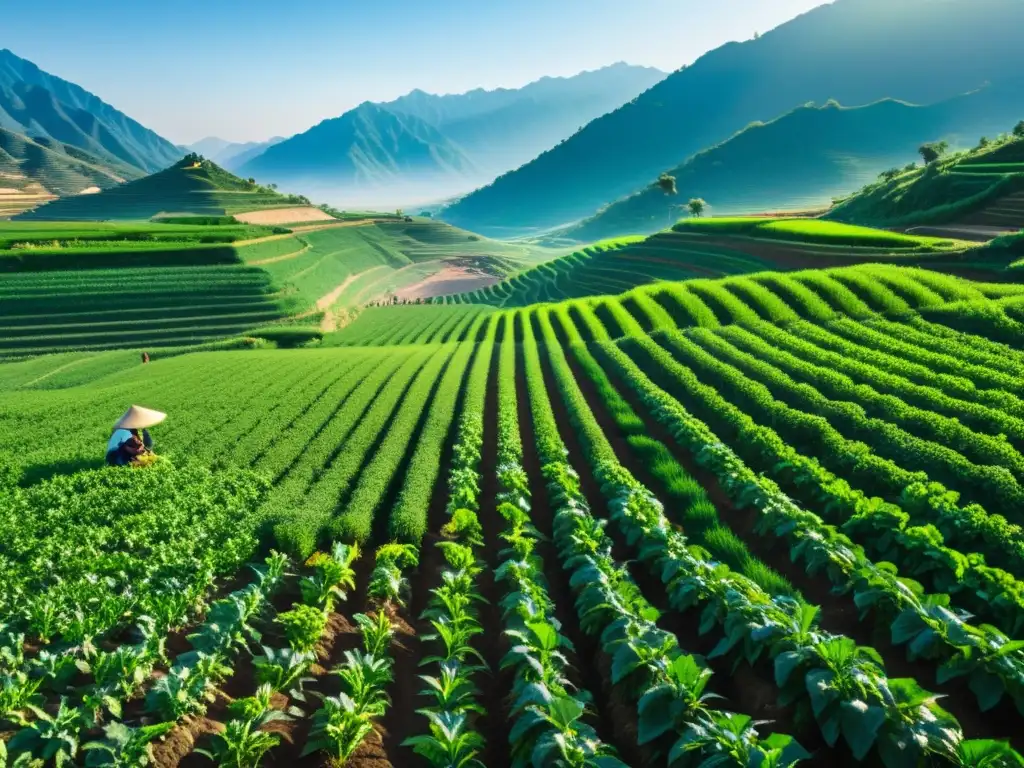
(324,303)
(365,293)
(448,280)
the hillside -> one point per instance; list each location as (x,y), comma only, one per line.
(979,193)
(804,159)
(34,171)
(503,128)
(187,187)
(361,154)
(80,286)
(39,104)
(712,248)
(854,51)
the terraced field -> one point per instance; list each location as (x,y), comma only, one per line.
(165,286)
(793,491)
(711,248)
(974,195)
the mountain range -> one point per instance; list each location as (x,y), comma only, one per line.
(231,154)
(60,169)
(369,148)
(42,106)
(806,157)
(855,51)
(429,146)
(504,128)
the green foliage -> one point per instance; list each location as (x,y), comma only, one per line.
(667,184)
(303,626)
(816,231)
(933,151)
(288,336)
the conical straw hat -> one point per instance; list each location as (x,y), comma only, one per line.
(138,417)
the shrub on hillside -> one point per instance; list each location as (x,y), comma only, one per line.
(288,337)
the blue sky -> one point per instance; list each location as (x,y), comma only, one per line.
(249,69)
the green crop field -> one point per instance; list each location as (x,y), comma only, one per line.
(983,187)
(717,247)
(815,231)
(142,285)
(536,535)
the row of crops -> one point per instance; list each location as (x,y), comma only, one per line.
(181,294)
(751,522)
(817,296)
(706,248)
(56,310)
(612,266)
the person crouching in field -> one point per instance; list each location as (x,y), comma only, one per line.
(130,444)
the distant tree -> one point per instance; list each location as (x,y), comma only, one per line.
(667,184)
(399,213)
(757,35)
(1018,130)
(696,207)
(932,151)
(833,103)
(272,187)
(983,142)
(891,174)
(910,167)
(426,215)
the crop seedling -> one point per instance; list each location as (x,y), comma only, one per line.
(333,579)
(124,747)
(451,741)
(377,631)
(243,744)
(303,626)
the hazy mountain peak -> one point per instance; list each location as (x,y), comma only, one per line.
(856,51)
(39,104)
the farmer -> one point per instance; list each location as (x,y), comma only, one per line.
(130,443)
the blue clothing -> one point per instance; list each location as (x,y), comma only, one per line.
(119,437)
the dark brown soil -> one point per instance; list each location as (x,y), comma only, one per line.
(340,635)
(495,690)
(748,690)
(401,720)
(614,721)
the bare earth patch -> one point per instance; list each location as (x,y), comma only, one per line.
(284,215)
(446,281)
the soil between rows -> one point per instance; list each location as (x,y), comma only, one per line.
(837,614)
(615,724)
